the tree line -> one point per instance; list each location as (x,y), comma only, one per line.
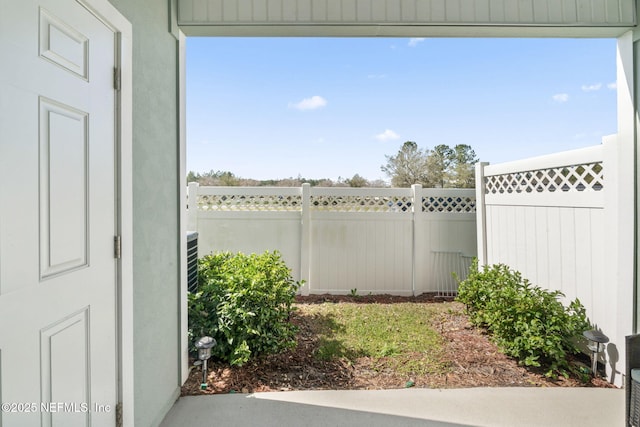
(228,179)
(440,167)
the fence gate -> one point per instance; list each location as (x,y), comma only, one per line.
(448,268)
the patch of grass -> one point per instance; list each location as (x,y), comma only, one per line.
(397,337)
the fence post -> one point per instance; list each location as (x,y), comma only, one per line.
(481,214)
(416,230)
(192,206)
(305,239)
(619,252)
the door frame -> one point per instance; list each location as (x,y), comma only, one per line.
(123,31)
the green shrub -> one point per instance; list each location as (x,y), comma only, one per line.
(244,302)
(526,322)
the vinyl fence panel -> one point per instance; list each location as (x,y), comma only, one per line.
(401,241)
(556,219)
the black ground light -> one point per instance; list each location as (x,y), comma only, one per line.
(204,346)
(597,340)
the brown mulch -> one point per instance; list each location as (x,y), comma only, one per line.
(474,361)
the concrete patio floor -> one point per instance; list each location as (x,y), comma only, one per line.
(493,407)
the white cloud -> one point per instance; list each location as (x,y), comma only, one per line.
(560,97)
(309,103)
(591,88)
(612,85)
(414,41)
(387,135)
(376,76)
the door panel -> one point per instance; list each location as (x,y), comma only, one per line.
(63,45)
(65,375)
(58,275)
(64,183)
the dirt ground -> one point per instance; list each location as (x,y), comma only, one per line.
(473,359)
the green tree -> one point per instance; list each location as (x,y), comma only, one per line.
(212,177)
(192,177)
(408,166)
(463,173)
(441,167)
(357,181)
(227,179)
(439,163)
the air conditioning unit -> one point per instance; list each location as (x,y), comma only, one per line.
(192,261)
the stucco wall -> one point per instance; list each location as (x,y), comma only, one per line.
(155,209)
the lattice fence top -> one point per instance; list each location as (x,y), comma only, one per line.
(449,204)
(584,177)
(250,202)
(354,203)
(347,202)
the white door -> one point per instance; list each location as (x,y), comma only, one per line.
(58,274)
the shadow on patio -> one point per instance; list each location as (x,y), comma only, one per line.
(408,407)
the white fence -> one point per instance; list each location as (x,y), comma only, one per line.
(556,219)
(545,219)
(402,241)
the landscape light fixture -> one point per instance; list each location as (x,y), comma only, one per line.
(204,346)
(597,340)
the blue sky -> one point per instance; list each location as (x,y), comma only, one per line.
(270,108)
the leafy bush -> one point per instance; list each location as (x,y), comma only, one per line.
(526,322)
(244,302)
